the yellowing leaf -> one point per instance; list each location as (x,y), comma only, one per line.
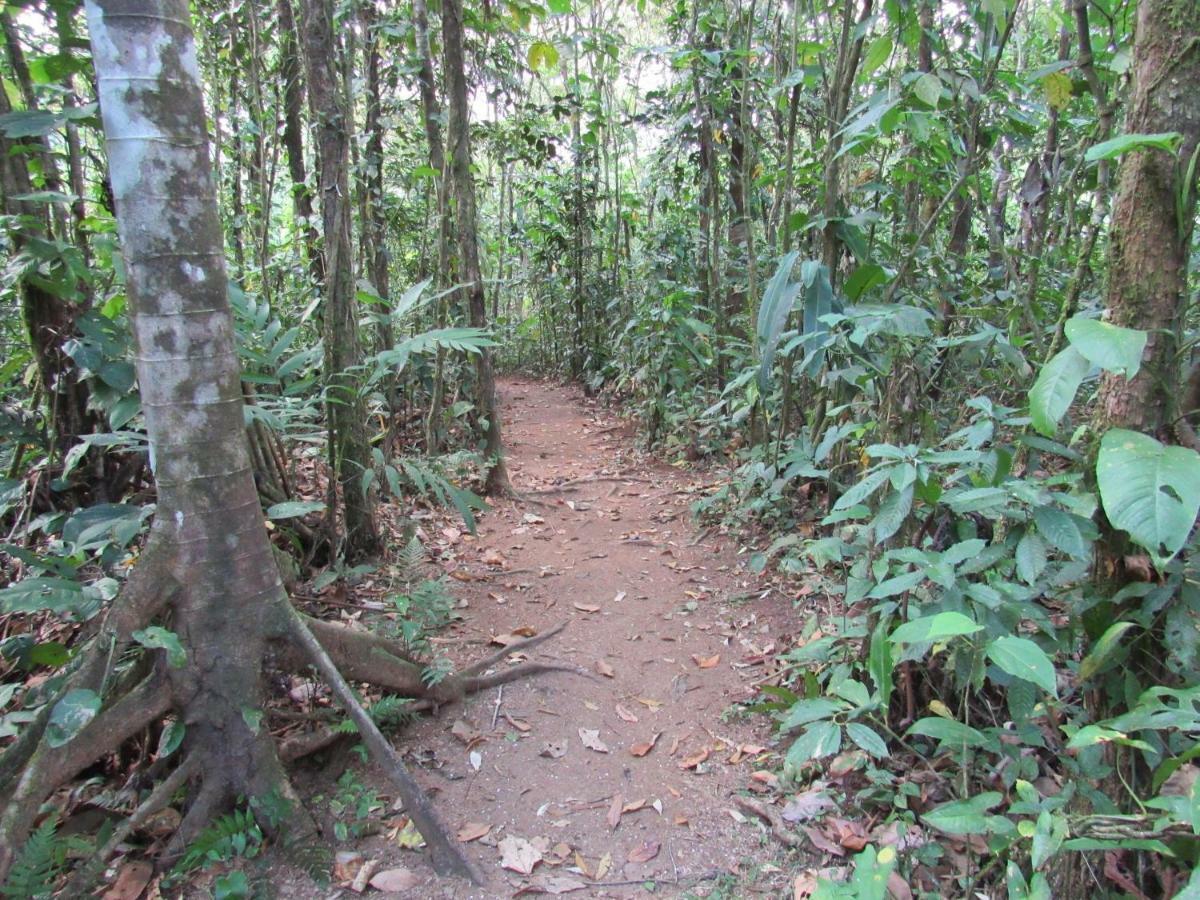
(1058,90)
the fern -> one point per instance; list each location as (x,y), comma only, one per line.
(41,863)
(389,710)
(235,834)
(411,561)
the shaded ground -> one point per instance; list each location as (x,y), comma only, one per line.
(659,616)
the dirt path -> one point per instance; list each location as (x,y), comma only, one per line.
(661,620)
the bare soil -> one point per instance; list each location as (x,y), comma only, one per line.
(662,623)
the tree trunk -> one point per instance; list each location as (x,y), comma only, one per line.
(349,452)
(463,187)
(1147,286)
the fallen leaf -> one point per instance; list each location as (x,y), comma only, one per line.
(644,852)
(131,881)
(807,805)
(558,884)
(554,749)
(476,759)
(518,724)
(395,880)
(614,811)
(492,557)
(603,866)
(647,702)
(625,715)
(594,707)
(643,749)
(472,831)
(518,854)
(633,806)
(681,820)
(804,886)
(591,739)
(586,607)
(465,732)
(898,887)
(621,595)
(603,668)
(675,792)
(821,842)
(346,864)
(581,865)
(744,750)
(507,640)
(706,662)
(409,838)
(690,762)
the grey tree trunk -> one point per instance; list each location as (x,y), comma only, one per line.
(346,413)
(463,186)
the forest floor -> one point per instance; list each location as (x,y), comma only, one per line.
(620,782)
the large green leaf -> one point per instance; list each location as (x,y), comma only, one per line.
(969,816)
(1022,658)
(777,301)
(1055,388)
(820,739)
(934,628)
(1149,490)
(950,731)
(70,715)
(1111,347)
(1167,140)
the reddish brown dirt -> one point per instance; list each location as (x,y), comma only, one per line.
(661,618)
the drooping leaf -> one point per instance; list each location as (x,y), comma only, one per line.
(778,299)
(928,88)
(291,509)
(968,816)
(155,637)
(1104,650)
(1111,347)
(1168,141)
(1149,490)
(1055,388)
(542,55)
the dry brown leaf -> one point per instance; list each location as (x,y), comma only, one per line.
(807,805)
(823,843)
(554,749)
(898,887)
(395,880)
(586,607)
(473,831)
(690,762)
(492,557)
(675,745)
(614,811)
(603,668)
(649,703)
(633,805)
(346,864)
(681,820)
(581,864)
(625,715)
(591,739)
(644,852)
(706,662)
(804,886)
(518,724)
(131,880)
(603,867)
(518,854)
(675,792)
(465,733)
(644,748)
(558,884)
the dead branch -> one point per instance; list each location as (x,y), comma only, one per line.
(446,856)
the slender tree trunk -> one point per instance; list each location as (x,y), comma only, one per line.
(349,451)
(463,187)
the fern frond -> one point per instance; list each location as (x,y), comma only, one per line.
(40,865)
(234,834)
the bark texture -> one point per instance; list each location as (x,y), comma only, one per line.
(1147,286)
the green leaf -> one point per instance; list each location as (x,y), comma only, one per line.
(934,628)
(542,55)
(1104,650)
(864,489)
(892,513)
(820,739)
(1030,556)
(897,585)
(158,638)
(929,89)
(868,739)
(559,7)
(70,715)
(1061,530)
(1149,490)
(1168,141)
(45,594)
(778,299)
(1055,388)
(877,54)
(966,816)
(803,712)
(1022,658)
(171,738)
(292,509)
(949,731)
(1111,347)
(879,664)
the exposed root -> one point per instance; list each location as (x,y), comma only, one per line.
(575,483)
(478,683)
(213,794)
(51,767)
(778,829)
(446,856)
(87,874)
(517,647)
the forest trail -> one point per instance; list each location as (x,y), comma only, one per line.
(659,617)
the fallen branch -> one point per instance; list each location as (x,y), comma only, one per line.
(446,856)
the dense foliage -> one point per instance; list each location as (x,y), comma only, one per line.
(873,258)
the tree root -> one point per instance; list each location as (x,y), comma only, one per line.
(778,829)
(574,483)
(445,854)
